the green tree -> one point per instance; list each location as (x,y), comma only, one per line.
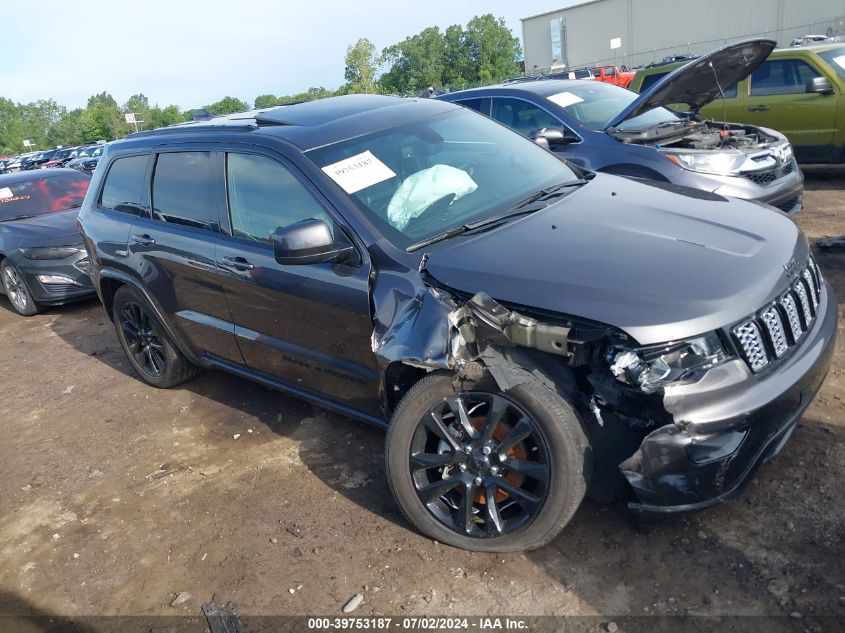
(361,67)
(265,101)
(495,52)
(415,63)
(227,105)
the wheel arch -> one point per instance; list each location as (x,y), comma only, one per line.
(112,280)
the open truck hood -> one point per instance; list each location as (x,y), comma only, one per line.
(635,255)
(695,84)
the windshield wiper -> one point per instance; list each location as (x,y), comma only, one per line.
(521,208)
(17,217)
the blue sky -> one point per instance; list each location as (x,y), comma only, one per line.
(191,53)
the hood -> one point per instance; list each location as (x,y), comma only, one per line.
(48,229)
(695,83)
(658,261)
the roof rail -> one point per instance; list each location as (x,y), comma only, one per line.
(191,128)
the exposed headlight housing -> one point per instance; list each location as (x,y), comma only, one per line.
(709,162)
(651,368)
(52,252)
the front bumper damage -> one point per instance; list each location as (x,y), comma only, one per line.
(691,450)
(727,424)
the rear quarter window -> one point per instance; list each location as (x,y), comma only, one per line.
(124,186)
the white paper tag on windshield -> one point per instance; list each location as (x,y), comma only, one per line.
(5,192)
(564,99)
(358,172)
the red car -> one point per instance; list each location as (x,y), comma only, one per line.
(614,75)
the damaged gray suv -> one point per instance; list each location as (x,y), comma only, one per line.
(528,333)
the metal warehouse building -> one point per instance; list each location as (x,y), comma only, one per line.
(633,33)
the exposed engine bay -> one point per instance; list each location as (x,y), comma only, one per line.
(700,135)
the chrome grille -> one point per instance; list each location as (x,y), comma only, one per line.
(777,335)
(774,330)
(811,284)
(801,293)
(788,303)
(751,342)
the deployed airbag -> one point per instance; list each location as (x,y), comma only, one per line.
(422,189)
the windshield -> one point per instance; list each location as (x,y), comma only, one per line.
(420,179)
(597,104)
(835,58)
(39,195)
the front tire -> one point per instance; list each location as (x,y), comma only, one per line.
(486,470)
(152,353)
(16,290)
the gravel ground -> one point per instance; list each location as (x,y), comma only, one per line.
(119,499)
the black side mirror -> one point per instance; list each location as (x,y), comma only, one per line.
(820,85)
(548,136)
(310,242)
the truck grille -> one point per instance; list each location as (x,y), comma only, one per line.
(773,331)
(764,178)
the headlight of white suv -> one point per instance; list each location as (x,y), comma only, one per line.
(650,368)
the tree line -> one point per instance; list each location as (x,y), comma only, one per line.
(483,51)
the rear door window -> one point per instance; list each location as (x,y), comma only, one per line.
(184,190)
(781,76)
(123,189)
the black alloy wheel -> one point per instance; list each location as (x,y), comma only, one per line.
(147,343)
(142,339)
(480,464)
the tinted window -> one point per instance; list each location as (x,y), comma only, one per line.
(472,104)
(650,80)
(781,76)
(521,116)
(183,189)
(125,184)
(264,195)
(39,195)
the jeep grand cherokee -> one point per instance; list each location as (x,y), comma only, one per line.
(526,332)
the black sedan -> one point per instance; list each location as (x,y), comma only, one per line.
(42,259)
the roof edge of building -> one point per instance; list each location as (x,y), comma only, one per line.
(571,6)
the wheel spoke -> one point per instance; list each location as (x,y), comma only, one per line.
(425,461)
(436,426)
(435,490)
(519,432)
(458,406)
(494,521)
(465,514)
(535,470)
(495,411)
(529,502)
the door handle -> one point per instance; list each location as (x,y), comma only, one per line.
(143,239)
(238,263)
(760,108)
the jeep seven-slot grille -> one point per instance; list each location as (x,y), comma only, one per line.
(778,327)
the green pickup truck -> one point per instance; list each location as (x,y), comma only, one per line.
(797,91)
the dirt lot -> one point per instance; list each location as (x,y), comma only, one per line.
(117,497)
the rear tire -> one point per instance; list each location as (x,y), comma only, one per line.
(536,484)
(150,350)
(16,290)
